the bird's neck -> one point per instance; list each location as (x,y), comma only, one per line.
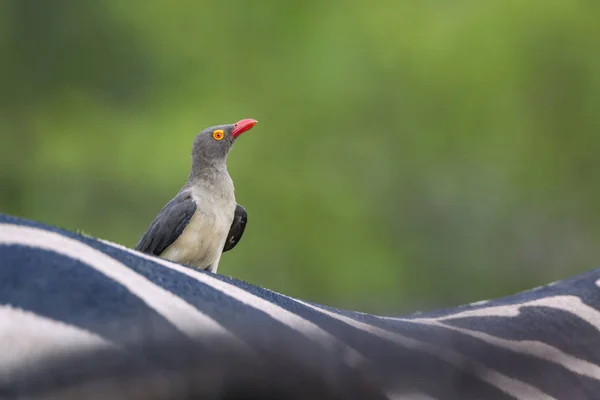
(212,176)
(208,170)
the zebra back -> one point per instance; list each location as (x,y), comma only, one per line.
(80,315)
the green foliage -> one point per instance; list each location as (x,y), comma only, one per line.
(408,154)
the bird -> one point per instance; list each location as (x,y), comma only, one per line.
(204,219)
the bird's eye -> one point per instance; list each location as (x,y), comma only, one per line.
(218,134)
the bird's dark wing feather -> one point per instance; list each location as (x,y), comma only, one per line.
(168,225)
(237,228)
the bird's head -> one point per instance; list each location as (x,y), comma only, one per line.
(212,145)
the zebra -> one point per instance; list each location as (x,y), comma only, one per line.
(82,317)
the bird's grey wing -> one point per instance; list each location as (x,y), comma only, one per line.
(237,228)
(168,225)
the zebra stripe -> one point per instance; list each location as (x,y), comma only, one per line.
(294,321)
(181,314)
(64,294)
(37,337)
(511,386)
(537,349)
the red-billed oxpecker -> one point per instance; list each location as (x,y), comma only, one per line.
(204,219)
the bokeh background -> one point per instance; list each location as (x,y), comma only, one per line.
(408,155)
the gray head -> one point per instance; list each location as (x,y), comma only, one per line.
(212,145)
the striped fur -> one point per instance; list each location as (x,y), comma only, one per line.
(81,317)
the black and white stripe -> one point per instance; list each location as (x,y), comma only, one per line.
(65,296)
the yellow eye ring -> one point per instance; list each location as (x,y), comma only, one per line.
(218,134)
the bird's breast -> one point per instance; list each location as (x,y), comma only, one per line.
(201,242)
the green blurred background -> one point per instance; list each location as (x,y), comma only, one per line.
(408,155)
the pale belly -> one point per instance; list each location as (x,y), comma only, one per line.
(201,243)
